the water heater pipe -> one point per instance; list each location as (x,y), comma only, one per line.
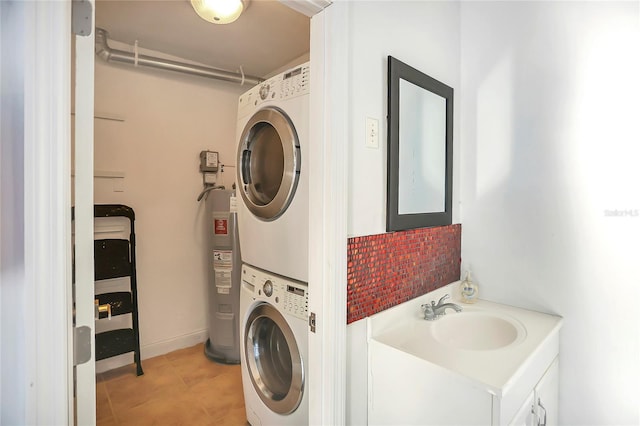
(113,55)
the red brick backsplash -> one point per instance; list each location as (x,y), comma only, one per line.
(388,269)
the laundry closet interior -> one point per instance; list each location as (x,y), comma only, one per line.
(151,126)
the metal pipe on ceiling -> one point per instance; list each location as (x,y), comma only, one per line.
(114,55)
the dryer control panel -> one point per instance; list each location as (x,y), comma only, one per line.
(295,82)
(289,84)
(289,297)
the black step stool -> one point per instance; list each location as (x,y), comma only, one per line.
(116,258)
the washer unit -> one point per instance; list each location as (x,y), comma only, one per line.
(273,348)
(272,174)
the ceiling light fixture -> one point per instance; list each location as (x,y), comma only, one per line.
(219,11)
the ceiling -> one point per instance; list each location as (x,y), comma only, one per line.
(267,35)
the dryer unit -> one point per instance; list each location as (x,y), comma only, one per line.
(272,174)
(274,348)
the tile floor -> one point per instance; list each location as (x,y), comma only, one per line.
(180,388)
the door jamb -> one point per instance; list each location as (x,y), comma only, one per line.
(328,208)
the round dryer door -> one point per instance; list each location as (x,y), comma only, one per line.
(273,359)
(268,163)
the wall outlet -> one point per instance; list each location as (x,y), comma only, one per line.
(371,140)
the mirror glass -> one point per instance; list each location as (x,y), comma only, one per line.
(422,154)
(419,149)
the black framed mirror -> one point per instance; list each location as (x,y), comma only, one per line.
(419,149)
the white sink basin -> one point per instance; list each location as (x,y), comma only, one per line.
(478,331)
(474,367)
(486,342)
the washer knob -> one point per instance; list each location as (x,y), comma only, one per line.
(264,91)
(267,287)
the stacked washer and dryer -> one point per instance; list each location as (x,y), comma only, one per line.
(272,178)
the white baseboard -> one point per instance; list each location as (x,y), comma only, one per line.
(154,349)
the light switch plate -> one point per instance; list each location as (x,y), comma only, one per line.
(372,131)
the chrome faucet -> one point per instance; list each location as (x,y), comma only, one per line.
(433,311)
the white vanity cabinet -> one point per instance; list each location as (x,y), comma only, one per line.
(404,389)
(438,373)
(541,406)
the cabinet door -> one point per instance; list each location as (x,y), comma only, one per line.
(546,396)
(525,415)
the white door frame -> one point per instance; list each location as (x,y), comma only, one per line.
(47,206)
(328,187)
(85,379)
(40,294)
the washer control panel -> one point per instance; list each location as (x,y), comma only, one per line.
(296,300)
(289,84)
(290,297)
(267,288)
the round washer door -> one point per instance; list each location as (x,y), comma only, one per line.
(273,359)
(268,163)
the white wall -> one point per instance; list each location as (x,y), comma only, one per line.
(425,35)
(168,119)
(549,122)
